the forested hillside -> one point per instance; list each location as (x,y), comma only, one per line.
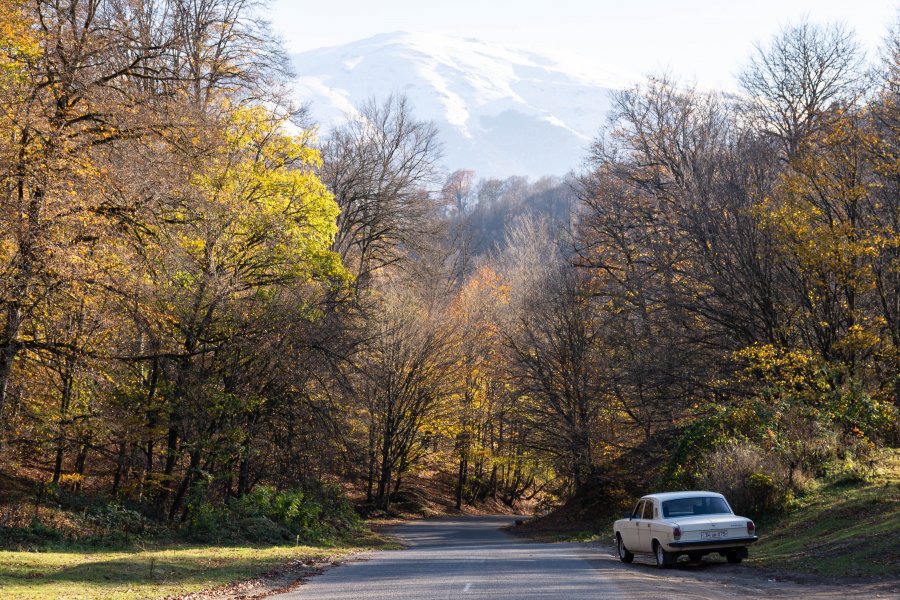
(210,307)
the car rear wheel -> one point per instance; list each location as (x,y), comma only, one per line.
(734,558)
(624,555)
(664,559)
(695,556)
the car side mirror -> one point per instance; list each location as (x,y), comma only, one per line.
(628,515)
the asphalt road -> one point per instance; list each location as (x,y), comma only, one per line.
(471,557)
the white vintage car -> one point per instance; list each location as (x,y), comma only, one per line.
(692,523)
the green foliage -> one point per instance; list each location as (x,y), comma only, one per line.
(317,512)
(290,507)
(36,535)
(262,530)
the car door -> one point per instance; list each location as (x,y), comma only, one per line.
(630,529)
(644,533)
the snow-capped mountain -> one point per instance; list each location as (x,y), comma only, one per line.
(499,111)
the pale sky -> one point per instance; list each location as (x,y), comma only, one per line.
(704,41)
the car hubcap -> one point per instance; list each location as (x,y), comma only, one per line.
(621,548)
(659,554)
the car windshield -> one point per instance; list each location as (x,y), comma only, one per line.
(700,505)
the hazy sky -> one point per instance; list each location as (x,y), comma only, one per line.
(705,41)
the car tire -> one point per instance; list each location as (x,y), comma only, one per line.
(664,560)
(734,558)
(624,555)
(695,556)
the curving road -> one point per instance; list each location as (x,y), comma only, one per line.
(471,557)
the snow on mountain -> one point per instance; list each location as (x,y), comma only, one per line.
(499,111)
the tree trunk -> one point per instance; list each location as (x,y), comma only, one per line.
(461,480)
(186,483)
(171,456)
(492,484)
(57,465)
(64,403)
(384,485)
(372,455)
(120,468)
(397,481)
(79,466)
(8,350)
(9,341)
(244,470)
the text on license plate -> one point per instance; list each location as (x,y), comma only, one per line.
(713,535)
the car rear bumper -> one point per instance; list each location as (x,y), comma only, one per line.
(706,545)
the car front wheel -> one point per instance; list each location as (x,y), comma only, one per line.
(664,559)
(624,555)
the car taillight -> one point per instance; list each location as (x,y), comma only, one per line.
(751,528)
(676,533)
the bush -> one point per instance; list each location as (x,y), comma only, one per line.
(35,535)
(754,482)
(114,518)
(262,530)
(316,512)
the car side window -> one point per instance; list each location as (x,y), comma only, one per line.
(638,510)
(648,510)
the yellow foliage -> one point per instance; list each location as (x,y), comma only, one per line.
(18,42)
(262,192)
(777,366)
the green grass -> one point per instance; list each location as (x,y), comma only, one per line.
(153,572)
(842,529)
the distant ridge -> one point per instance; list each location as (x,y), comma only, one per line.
(500,111)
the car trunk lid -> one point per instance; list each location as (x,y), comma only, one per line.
(711,527)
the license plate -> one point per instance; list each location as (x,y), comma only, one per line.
(713,535)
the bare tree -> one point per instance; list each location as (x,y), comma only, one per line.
(381,167)
(804,71)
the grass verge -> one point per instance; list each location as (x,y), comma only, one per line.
(842,529)
(155,571)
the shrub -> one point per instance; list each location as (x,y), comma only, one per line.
(35,535)
(754,482)
(316,511)
(207,522)
(262,530)
(114,518)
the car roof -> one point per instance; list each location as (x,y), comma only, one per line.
(679,495)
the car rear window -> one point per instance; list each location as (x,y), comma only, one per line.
(700,505)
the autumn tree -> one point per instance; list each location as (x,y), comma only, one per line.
(490,427)
(459,189)
(409,371)
(68,92)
